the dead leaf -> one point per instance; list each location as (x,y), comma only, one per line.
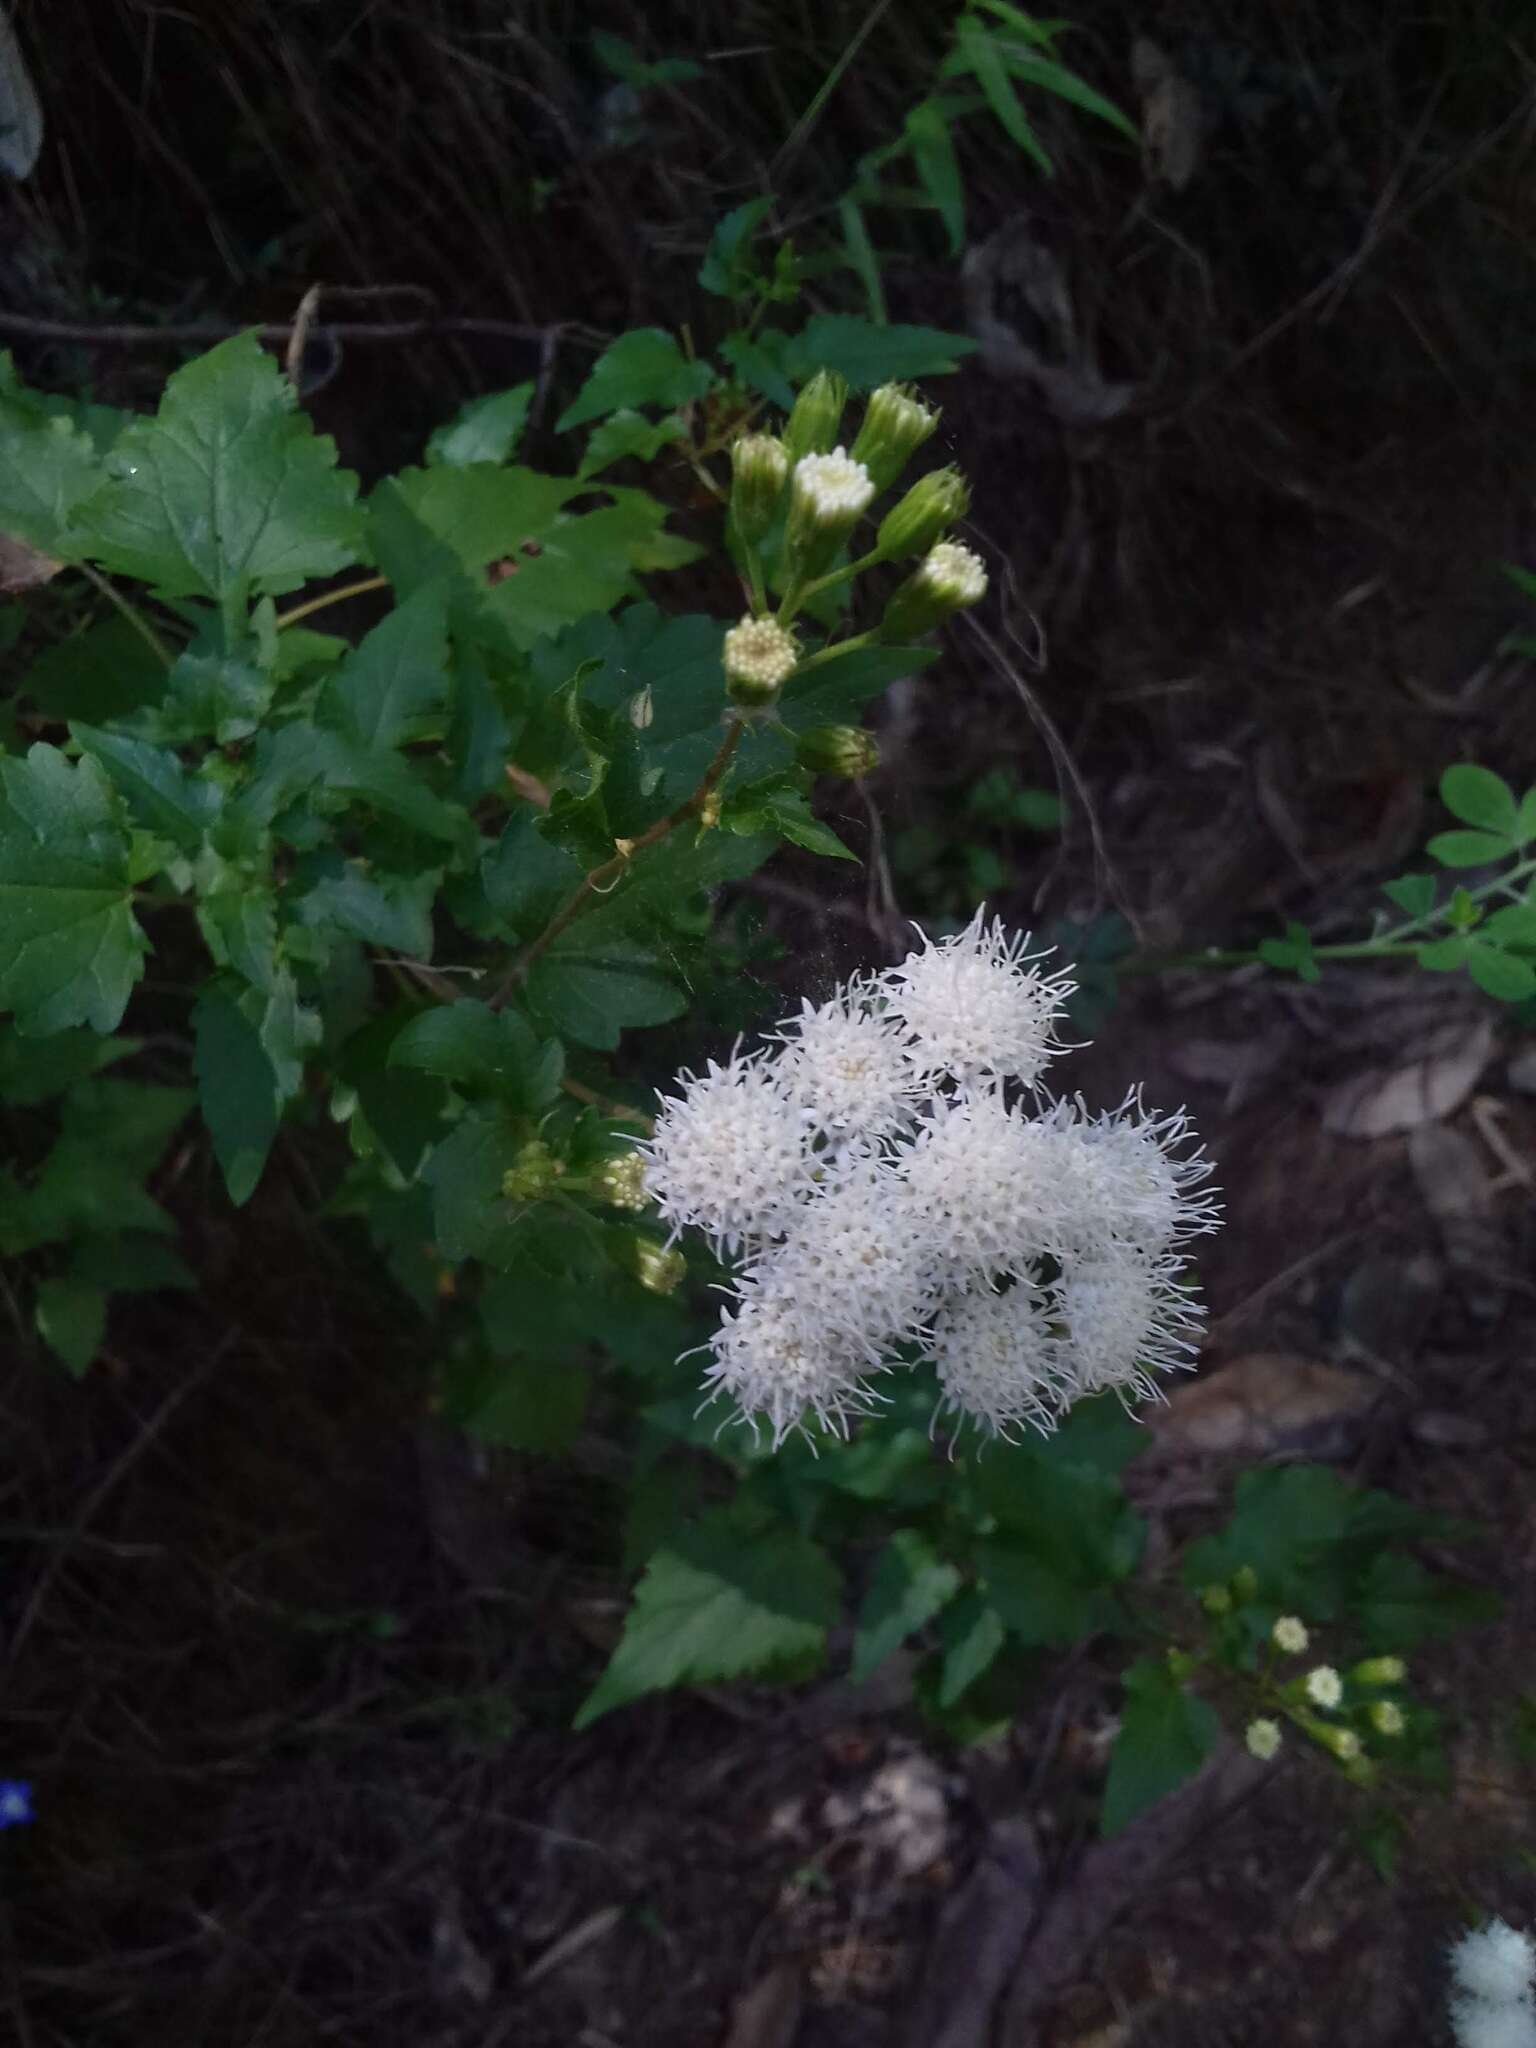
(1019,306)
(980,1937)
(1171,118)
(22,567)
(768,2016)
(1262,1405)
(581,1937)
(1457,1188)
(1422,1090)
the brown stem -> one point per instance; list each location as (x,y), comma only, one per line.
(620,1112)
(603,878)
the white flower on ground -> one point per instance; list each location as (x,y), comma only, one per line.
(730,1155)
(1263,1739)
(975,1006)
(996,1358)
(848,1067)
(1324,1687)
(1290,1634)
(1495,1963)
(1127,1317)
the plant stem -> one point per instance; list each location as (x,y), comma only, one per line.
(601,879)
(130,612)
(831,652)
(328,597)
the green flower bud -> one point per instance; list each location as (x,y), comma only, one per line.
(658,1269)
(949,578)
(1387,1717)
(812,426)
(896,424)
(828,497)
(1181,1665)
(1380,1671)
(620,1181)
(533,1173)
(1344,1742)
(1215,1599)
(1245,1584)
(759,657)
(935,502)
(845,750)
(759,472)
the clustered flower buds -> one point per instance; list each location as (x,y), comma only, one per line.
(760,657)
(919,520)
(889,1197)
(896,424)
(759,472)
(816,415)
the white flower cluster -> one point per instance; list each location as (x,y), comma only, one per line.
(889,1197)
(760,651)
(1492,2005)
(955,571)
(833,486)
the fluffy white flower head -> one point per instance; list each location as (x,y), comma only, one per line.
(955,572)
(1143,1185)
(977,1172)
(760,651)
(848,1067)
(832,487)
(1477,2024)
(730,1155)
(1263,1739)
(1496,1963)
(856,1263)
(1325,1688)
(1290,1634)
(996,1359)
(777,1360)
(1127,1316)
(976,1007)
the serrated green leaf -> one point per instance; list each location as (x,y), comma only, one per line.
(227,490)
(938,169)
(390,911)
(469,1212)
(837,691)
(1039,1604)
(71,1318)
(728,269)
(1400,1605)
(628,434)
(238,1088)
(868,355)
(104,673)
(1070,1510)
(591,988)
(478,1048)
(759,365)
(1468,849)
(395,680)
(722,1601)
(1414,894)
(33,1069)
(1525,823)
(214,692)
(527,878)
(485,430)
(518,1404)
(643,367)
(70,949)
(1479,797)
(1500,975)
(48,468)
(387,781)
(971,1633)
(239,926)
(911,1583)
(1166,1734)
(160,794)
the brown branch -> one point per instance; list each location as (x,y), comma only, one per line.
(132,334)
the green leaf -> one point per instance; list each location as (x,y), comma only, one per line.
(391,911)
(478,1048)
(484,430)
(104,673)
(971,1632)
(239,927)
(227,490)
(158,791)
(759,365)
(517,1404)
(643,367)
(867,354)
(591,988)
(1479,797)
(976,52)
(1414,894)
(48,468)
(1444,956)
(213,691)
(33,1069)
(70,950)
(1500,975)
(132,1264)
(628,434)
(1166,1734)
(938,169)
(728,269)
(1400,1604)
(238,1088)
(1039,1603)
(1467,849)
(1513,925)
(1066,85)
(527,878)
(784,810)
(909,1586)
(71,1319)
(861,256)
(390,688)
(469,1212)
(618,55)
(1069,1510)
(723,1600)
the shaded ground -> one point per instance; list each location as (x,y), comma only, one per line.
(291,1673)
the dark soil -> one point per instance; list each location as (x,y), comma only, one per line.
(290,1666)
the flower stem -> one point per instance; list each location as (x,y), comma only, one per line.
(329,597)
(130,612)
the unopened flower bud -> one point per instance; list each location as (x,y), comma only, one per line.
(818,413)
(1380,1671)
(759,472)
(759,657)
(1215,1599)
(935,502)
(533,1173)
(1387,1717)
(658,1269)
(1344,1742)
(710,810)
(828,496)
(1263,1739)
(1290,1634)
(1245,1584)
(1324,1687)
(1181,1665)
(620,1181)
(896,424)
(949,578)
(845,750)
